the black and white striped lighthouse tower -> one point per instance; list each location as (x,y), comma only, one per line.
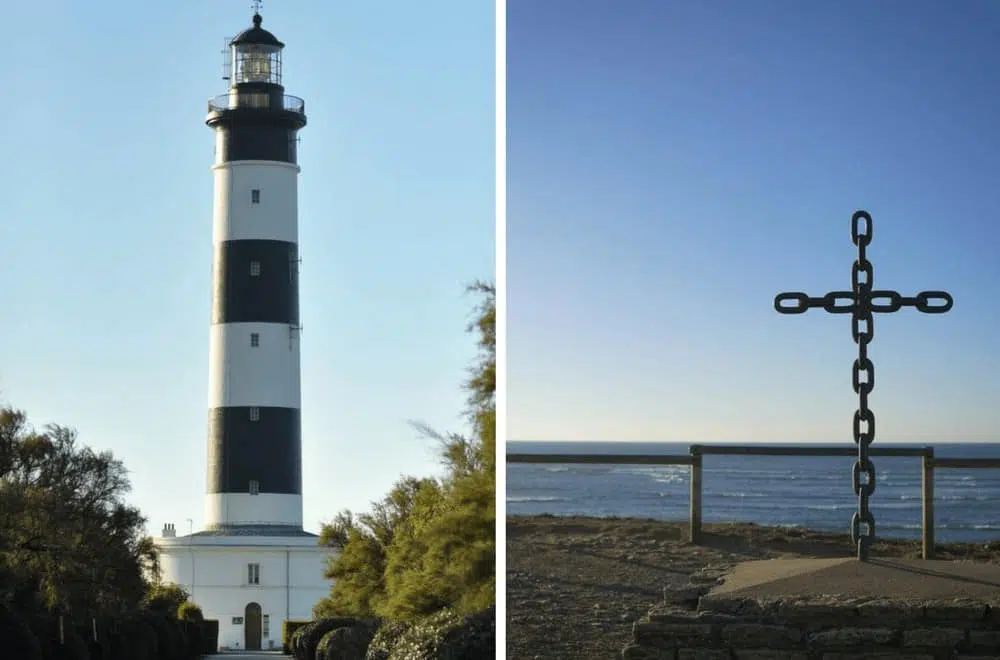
(254,436)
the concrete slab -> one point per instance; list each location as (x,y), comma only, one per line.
(909,579)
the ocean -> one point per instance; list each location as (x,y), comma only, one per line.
(809,492)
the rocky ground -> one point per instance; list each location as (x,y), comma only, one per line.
(576,585)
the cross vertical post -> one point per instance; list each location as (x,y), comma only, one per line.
(861,302)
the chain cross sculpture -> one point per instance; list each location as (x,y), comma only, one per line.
(861,302)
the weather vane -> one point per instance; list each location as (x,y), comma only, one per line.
(256,6)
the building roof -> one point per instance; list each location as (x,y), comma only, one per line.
(274,531)
(256,35)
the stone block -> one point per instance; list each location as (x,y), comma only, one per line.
(891,613)
(636,652)
(817,614)
(956,611)
(673,615)
(769,654)
(720,618)
(839,637)
(704,654)
(945,638)
(684,596)
(755,634)
(656,632)
(993,615)
(729,605)
(985,639)
(878,655)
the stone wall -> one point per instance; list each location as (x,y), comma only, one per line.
(693,626)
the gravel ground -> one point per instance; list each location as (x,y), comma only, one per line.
(575,585)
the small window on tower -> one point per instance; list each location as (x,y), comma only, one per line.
(255,414)
(254,268)
(254,339)
(254,487)
(253,573)
(255,196)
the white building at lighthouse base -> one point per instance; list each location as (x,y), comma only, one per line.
(250,578)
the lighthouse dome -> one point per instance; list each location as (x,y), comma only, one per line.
(256,36)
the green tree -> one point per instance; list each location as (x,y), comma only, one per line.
(70,543)
(188,611)
(165,598)
(429,543)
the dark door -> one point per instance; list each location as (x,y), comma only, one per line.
(251,627)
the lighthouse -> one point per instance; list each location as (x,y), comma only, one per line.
(253,565)
(254,429)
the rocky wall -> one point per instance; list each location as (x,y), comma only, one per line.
(691,626)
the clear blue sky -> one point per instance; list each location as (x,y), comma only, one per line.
(674,165)
(106,230)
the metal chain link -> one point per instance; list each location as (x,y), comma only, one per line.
(861,302)
(863,276)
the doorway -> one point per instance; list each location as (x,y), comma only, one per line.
(252,627)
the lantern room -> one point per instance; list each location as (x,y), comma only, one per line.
(255,56)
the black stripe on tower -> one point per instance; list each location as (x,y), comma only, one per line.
(256,281)
(257,141)
(255,444)
(258,127)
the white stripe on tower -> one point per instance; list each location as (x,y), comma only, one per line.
(254,444)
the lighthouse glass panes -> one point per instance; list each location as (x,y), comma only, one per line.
(256,63)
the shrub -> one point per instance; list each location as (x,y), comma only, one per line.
(165,598)
(45,627)
(167,647)
(140,637)
(385,640)
(474,638)
(188,611)
(210,636)
(297,637)
(73,646)
(324,642)
(110,644)
(442,636)
(85,629)
(194,646)
(313,633)
(347,643)
(422,639)
(17,638)
(288,628)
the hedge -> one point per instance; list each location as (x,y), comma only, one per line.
(17,637)
(288,628)
(210,636)
(140,635)
(311,634)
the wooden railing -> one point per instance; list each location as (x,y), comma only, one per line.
(694,459)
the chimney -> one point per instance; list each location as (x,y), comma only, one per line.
(168,531)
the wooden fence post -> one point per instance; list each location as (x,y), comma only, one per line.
(695,519)
(927,463)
